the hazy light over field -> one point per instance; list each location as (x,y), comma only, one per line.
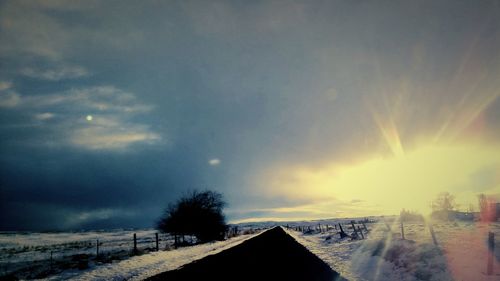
(387,183)
(314,109)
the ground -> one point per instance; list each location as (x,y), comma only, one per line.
(461,252)
(273,255)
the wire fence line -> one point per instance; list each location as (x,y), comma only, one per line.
(39,261)
(39,255)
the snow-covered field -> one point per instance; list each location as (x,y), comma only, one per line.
(35,241)
(461,253)
(142,267)
(67,255)
(41,254)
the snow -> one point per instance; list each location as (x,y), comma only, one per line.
(30,252)
(142,267)
(38,245)
(17,239)
(461,253)
(31,255)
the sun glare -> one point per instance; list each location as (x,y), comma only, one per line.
(389,184)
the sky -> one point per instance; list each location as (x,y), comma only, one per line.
(110,110)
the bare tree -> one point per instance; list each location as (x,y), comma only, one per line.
(444,202)
(408,216)
(199,214)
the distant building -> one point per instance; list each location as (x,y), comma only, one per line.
(464,216)
(454,215)
(490,213)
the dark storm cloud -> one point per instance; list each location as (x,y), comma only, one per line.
(81,182)
(171,85)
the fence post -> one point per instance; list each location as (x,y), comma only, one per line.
(431,229)
(364,226)
(157,245)
(97,248)
(354,228)
(342,233)
(491,250)
(402,229)
(135,243)
(361,232)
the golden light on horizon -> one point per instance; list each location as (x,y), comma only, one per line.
(423,146)
(388,184)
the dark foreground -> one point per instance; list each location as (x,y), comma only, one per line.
(273,255)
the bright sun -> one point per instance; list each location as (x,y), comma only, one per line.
(89,117)
(389,184)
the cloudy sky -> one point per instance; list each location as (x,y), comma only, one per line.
(292,109)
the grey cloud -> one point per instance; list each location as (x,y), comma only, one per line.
(29,31)
(254,84)
(44,116)
(50,217)
(4,85)
(9,98)
(113,137)
(39,29)
(56,73)
(482,180)
(95,99)
(110,127)
(54,187)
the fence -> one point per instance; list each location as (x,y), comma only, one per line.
(39,261)
(46,258)
(357,229)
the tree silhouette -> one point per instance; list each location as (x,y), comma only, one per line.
(444,206)
(199,214)
(444,202)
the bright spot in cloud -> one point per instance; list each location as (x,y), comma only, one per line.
(8,98)
(214,162)
(111,138)
(331,94)
(44,116)
(4,85)
(89,117)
